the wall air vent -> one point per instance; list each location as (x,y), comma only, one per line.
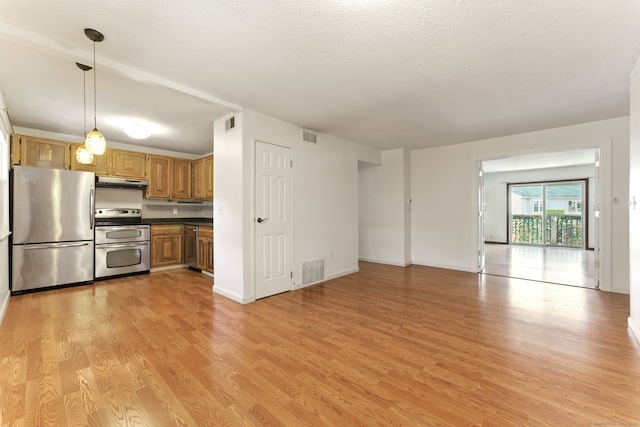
(230,123)
(308,136)
(312,272)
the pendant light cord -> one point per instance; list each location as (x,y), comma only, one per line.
(95,109)
(84,102)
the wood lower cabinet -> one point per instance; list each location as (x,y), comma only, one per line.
(205,248)
(203,178)
(40,152)
(166,245)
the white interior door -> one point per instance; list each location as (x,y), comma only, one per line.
(272,219)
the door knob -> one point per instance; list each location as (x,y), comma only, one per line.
(262,220)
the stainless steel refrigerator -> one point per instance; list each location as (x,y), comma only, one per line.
(52,228)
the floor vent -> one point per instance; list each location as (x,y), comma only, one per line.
(312,271)
(230,123)
(308,136)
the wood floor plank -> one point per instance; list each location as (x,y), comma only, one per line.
(385,346)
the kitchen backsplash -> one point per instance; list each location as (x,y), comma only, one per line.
(181,211)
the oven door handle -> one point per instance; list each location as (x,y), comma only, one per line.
(121,245)
(121,227)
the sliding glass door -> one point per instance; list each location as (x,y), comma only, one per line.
(549,214)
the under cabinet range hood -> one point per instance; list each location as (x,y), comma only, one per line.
(107,181)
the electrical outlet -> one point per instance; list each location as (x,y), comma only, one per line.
(330,254)
(175,211)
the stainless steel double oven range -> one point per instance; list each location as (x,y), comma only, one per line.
(122,243)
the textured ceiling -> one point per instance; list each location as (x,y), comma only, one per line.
(382,73)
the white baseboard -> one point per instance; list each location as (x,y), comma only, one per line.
(382,261)
(634,329)
(445,266)
(342,273)
(232,295)
(329,277)
(3,307)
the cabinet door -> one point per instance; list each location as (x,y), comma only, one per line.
(208,172)
(166,250)
(128,164)
(199,191)
(181,178)
(209,255)
(159,177)
(44,153)
(99,165)
(202,253)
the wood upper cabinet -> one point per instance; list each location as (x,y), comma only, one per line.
(203,178)
(169,178)
(128,164)
(159,176)
(205,248)
(166,245)
(40,152)
(181,178)
(100,164)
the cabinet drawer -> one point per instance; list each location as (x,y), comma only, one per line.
(157,230)
(205,232)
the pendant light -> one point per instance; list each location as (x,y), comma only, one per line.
(83,156)
(94,142)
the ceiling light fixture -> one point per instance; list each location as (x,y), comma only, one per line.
(137,131)
(83,156)
(94,142)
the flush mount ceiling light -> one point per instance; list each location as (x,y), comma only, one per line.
(137,131)
(83,156)
(94,142)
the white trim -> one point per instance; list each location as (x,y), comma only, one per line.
(5,305)
(386,262)
(327,278)
(232,295)
(342,273)
(206,273)
(634,329)
(473,270)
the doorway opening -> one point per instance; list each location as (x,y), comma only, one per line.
(540,217)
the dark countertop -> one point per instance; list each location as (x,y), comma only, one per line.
(188,221)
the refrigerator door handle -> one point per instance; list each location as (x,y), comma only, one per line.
(54,245)
(92,206)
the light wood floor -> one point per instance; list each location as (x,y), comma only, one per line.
(386,346)
(565,266)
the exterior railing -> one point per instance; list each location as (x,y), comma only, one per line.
(559,230)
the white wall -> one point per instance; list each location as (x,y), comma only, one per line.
(384,212)
(634,211)
(445,194)
(325,201)
(496,195)
(4,213)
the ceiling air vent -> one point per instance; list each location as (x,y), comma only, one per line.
(230,123)
(308,136)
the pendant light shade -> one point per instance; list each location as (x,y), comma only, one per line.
(83,156)
(94,141)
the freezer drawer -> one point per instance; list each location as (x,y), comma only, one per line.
(51,264)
